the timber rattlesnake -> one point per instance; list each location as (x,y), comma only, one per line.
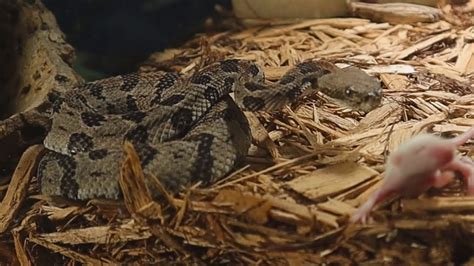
(184,128)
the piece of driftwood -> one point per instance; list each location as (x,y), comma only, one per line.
(39,59)
(268,9)
(36,60)
(395,13)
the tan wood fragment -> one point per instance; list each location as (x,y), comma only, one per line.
(337,23)
(451,128)
(18,188)
(20,249)
(295,208)
(309,136)
(444,204)
(384,115)
(331,180)
(437,95)
(464,58)
(322,36)
(463,121)
(260,135)
(422,45)
(76,256)
(128,231)
(336,32)
(337,207)
(395,82)
(410,125)
(362,192)
(136,195)
(446,71)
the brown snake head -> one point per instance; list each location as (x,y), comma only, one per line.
(353,88)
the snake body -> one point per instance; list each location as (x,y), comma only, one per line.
(185,128)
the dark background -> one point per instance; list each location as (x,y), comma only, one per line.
(113,36)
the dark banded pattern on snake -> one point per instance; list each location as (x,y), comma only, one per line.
(184,128)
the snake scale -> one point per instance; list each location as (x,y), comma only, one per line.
(185,128)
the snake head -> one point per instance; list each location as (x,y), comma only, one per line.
(353,88)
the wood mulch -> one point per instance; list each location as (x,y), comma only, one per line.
(308,170)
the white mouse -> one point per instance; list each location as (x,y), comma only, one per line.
(418,164)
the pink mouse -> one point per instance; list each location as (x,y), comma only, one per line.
(418,164)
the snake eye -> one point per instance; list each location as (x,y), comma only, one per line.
(349,91)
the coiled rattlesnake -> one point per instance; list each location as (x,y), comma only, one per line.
(184,128)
